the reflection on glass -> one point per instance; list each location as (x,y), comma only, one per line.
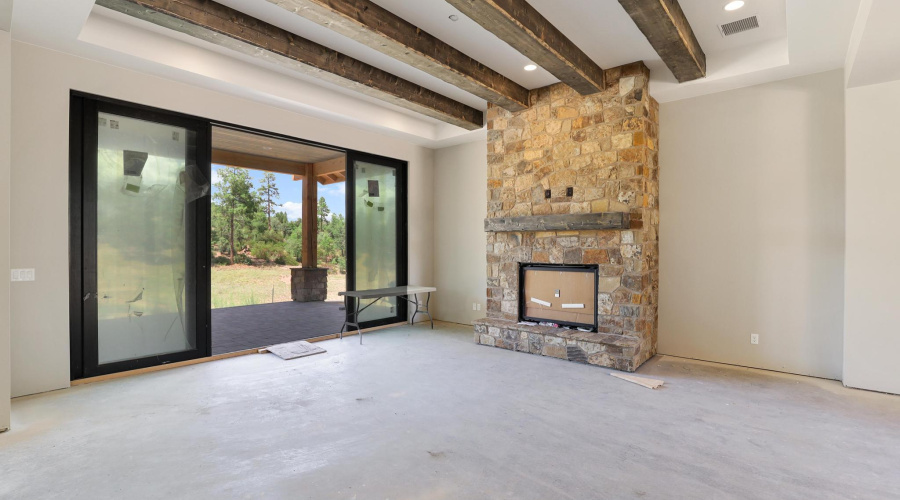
(141,238)
(375,189)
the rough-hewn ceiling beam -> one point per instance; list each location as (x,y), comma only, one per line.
(372,25)
(670,33)
(226,27)
(520,25)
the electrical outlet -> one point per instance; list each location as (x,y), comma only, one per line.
(754,338)
(22,275)
(479,306)
(474,306)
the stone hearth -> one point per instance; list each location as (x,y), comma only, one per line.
(613,351)
(595,154)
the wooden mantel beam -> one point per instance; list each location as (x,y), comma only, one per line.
(229,28)
(669,32)
(378,28)
(520,25)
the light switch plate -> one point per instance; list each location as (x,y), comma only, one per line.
(22,275)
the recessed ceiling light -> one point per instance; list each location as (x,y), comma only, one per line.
(454,17)
(531,67)
(735,5)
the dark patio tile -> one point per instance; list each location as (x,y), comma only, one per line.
(249,327)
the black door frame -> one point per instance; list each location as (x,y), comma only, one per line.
(84,360)
(401,168)
(82,128)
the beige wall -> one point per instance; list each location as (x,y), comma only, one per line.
(5,101)
(871,299)
(752,225)
(460,201)
(41,82)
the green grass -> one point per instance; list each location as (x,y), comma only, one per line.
(241,285)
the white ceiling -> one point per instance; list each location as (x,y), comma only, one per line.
(796,37)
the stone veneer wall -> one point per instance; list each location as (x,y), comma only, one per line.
(605,147)
(309,284)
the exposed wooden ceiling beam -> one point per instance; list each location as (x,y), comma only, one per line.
(376,27)
(226,27)
(520,25)
(670,33)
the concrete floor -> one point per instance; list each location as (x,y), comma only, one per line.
(421,414)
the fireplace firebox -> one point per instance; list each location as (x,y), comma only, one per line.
(564,294)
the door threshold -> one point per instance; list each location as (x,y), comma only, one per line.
(217,357)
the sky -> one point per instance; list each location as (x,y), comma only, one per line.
(290,192)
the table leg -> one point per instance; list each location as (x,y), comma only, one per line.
(356,319)
(428,309)
(346,313)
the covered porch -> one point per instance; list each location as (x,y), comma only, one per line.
(307,312)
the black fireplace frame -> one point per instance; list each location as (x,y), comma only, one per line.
(579,268)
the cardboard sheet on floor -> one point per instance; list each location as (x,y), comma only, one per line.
(293,350)
(574,288)
(649,383)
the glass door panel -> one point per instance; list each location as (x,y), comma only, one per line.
(141,255)
(140,229)
(376,235)
(378,242)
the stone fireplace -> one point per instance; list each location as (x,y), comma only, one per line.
(574,180)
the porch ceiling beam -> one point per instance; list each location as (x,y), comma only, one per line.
(229,28)
(520,25)
(331,166)
(264,163)
(669,32)
(376,27)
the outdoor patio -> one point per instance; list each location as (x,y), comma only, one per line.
(249,327)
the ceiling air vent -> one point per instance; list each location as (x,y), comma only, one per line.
(739,26)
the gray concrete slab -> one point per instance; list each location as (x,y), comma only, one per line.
(421,414)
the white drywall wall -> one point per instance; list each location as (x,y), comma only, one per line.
(5,110)
(460,206)
(752,226)
(871,297)
(41,81)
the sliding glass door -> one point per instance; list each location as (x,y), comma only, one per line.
(144,227)
(139,281)
(377,242)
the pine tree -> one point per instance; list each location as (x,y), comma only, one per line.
(324,212)
(236,202)
(268,193)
